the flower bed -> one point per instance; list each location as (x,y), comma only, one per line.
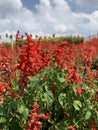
(49,86)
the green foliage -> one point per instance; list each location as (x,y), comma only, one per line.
(66,107)
(71,39)
(49,90)
(95,64)
(77,105)
(7,44)
(21,43)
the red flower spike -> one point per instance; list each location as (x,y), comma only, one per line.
(1,90)
(35,116)
(29,38)
(32,59)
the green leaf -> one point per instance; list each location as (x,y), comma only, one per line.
(20,108)
(33,81)
(74,88)
(34,78)
(25,113)
(2,120)
(48,98)
(88,115)
(61,77)
(77,104)
(62,99)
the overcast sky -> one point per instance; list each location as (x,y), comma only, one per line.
(43,17)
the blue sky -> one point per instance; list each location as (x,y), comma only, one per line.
(30,4)
(46,17)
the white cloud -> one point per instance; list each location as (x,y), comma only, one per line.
(52,16)
(60,27)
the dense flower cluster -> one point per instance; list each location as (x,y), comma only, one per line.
(34,123)
(31,60)
(4,64)
(3,88)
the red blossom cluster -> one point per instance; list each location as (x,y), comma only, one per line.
(14,95)
(79,91)
(87,53)
(59,54)
(32,59)
(3,88)
(4,64)
(35,56)
(71,66)
(70,128)
(93,125)
(7,63)
(34,123)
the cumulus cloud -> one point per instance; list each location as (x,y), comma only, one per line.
(51,16)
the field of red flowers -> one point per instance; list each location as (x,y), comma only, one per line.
(45,86)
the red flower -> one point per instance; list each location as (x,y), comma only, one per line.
(14,95)
(29,38)
(93,125)
(35,108)
(7,87)
(64,43)
(14,67)
(35,116)
(70,127)
(79,91)
(1,100)
(23,66)
(96,99)
(3,87)
(1,90)
(96,92)
(47,116)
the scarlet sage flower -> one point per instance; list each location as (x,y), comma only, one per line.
(79,91)
(34,123)
(29,39)
(14,67)
(1,90)
(6,86)
(70,128)
(14,95)
(1,100)
(47,116)
(96,99)
(35,108)
(64,112)
(96,92)
(93,125)
(31,60)
(64,43)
